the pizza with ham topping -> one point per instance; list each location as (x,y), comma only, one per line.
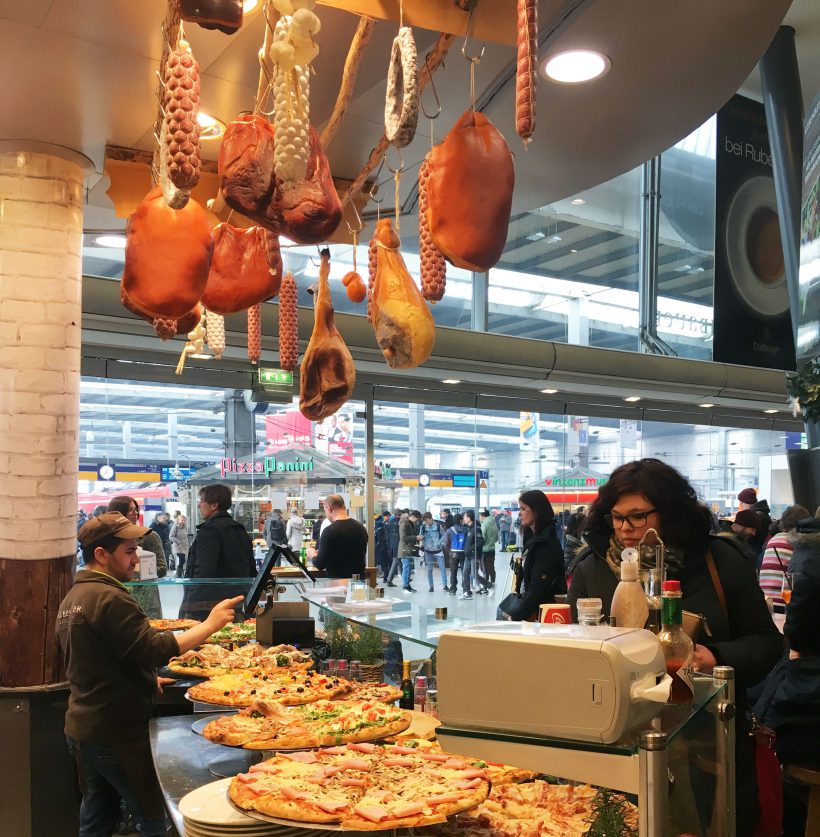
(362,786)
(172,624)
(213,660)
(535,809)
(266,725)
(286,687)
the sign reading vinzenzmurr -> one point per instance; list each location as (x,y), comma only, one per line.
(270,466)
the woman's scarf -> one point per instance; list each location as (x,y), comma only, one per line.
(673,558)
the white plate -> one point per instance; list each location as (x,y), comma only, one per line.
(259,829)
(210,805)
(753,195)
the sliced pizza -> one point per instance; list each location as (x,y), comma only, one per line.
(172,624)
(290,689)
(212,660)
(234,632)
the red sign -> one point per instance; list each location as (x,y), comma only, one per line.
(285,429)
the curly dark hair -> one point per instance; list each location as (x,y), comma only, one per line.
(685,520)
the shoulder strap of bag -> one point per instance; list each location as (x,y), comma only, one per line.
(710,563)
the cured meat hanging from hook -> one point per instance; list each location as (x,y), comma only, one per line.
(372,264)
(254,333)
(526,71)
(468,211)
(181,104)
(167,256)
(224,15)
(215,333)
(327,375)
(404,327)
(401,107)
(288,324)
(433,268)
(246,268)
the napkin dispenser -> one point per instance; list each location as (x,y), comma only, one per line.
(588,683)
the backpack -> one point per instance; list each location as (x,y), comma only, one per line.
(457,540)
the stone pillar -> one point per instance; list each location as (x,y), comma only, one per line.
(41,225)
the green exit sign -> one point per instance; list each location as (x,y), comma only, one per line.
(275,378)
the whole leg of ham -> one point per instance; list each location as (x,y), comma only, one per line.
(469,193)
(246,268)
(404,326)
(310,208)
(167,257)
(245,167)
(327,375)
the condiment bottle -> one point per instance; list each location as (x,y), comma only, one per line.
(629,606)
(407,699)
(589,611)
(420,693)
(676,644)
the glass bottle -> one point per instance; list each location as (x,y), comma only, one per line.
(407,699)
(652,588)
(589,611)
(676,644)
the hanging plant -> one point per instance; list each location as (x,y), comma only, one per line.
(804,389)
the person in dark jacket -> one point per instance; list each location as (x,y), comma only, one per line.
(473,549)
(447,519)
(393,538)
(454,540)
(162,526)
(111,654)
(650,494)
(747,500)
(274,531)
(380,545)
(407,547)
(222,548)
(542,567)
(573,538)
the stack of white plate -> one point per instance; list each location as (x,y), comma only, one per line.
(207,812)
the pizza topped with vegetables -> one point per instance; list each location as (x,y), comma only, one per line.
(290,689)
(361,786)
(234,632)
(211,660)
(267,725)
(172,624)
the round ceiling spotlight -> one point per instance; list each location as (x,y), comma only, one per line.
(211,127)
(574,66)
(111,240)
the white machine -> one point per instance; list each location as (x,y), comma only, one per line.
(564,681)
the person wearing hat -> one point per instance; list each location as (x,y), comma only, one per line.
(747,500)
(111,654)
(745,526)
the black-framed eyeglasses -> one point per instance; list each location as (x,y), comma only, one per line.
(637,520)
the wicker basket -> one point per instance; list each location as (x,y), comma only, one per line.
(372,672)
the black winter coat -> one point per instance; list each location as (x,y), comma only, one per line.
(221,549)
(474,542)
(393,537)
(543,575)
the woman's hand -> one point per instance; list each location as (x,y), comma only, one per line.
(703,660)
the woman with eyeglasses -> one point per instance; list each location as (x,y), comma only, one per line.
(717,581)
(130,508)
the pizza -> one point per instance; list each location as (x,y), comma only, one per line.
(211,660)
(266,725)
(381,692)
(535,809)
(172,624)
(290,689)
(234,632)
(362,787)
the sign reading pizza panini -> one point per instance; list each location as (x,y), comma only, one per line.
(269,466)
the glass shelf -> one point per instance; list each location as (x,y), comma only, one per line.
(404,621)
(677,720)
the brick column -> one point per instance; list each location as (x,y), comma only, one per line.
(41,225)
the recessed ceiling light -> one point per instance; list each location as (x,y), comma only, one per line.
(451,381)
(575,65)
(577,201)
(536,236)
(771,411)
(632,398)
(249,5)
(549,391)
(573,250)
(706,406)
(202,356)
(212,128)
(554,239)
(117,241)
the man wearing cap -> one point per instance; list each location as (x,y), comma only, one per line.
(111,654)
(748,500)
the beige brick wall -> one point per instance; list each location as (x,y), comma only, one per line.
(41,225)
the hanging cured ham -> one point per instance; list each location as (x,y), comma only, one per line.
(246,269)
(245,167)
(404,327)
(167,256)
(311,209)
(327,374)
(469,192)
(164,328)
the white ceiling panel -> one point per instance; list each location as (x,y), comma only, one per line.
(15,39)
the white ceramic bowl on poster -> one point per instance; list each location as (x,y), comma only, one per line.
(753,247)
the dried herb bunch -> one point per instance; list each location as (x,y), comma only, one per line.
(609,816)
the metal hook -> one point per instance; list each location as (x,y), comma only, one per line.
(401,162)
(473,59)
(435,92)
(355,232)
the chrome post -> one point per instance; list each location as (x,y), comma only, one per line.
(725,811)
(653,793)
